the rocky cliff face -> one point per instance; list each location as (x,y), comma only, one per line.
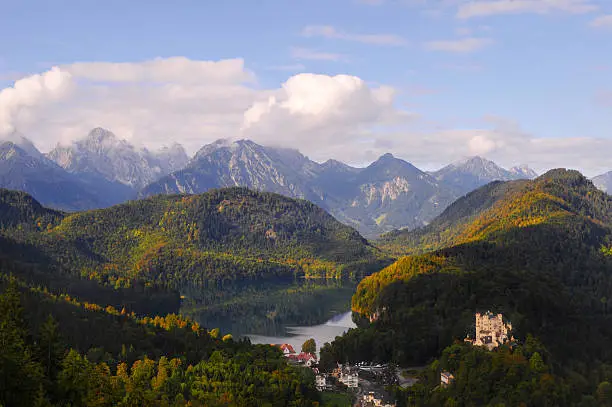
(101,153)
(388,194)
(467,175)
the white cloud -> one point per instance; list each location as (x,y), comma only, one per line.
(163,70)
(328,31)
(30,92)
(342,117)
(309,54)
(494,7)
(463,45)
(602,22)
(320,110)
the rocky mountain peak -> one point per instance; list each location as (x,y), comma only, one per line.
(17,139)
(523,171)
(104,154)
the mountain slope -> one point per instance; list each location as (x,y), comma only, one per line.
(537,253)
(20,209)
(242,163)
(445,228)
(223,234)
(104,155)
(465,176)
(392,193)
(388,194)
(47,182)
(604,182)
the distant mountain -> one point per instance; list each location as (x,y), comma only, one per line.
(23,143)
(467,175)
(31,172)
(523,171)
(604,182)
(104,155)
(388,194)
(391,193)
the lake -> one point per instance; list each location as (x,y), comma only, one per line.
(297,335)
(274,312)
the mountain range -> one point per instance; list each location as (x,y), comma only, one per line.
(388,194)
(102,170)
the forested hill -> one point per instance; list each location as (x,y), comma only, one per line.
(501,205)
(539,254)
(228,234)
(445,229)
(19,209)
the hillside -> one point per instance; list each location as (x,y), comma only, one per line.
(222,234)
(19,209)
(536,251)
(61,350)
(446,229)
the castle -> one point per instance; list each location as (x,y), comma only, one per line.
(491,330)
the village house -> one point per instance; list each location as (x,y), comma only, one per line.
(287,349)
(308,359)
(491,331)
(446,378)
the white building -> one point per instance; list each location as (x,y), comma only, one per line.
(351,380)
(491,330)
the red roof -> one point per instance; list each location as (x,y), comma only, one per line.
(286,347)
(306,356)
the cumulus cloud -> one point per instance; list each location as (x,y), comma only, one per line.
(494,7)
(30,92)
(320,109)
(602,22)
(462,45)
(328,31)
(342,117)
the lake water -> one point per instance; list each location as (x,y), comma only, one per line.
(274,312)
(297,335)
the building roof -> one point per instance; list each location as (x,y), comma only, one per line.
(303,357)
(286,347)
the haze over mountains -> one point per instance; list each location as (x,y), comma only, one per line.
(102,170)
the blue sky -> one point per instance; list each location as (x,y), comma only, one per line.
(539,67)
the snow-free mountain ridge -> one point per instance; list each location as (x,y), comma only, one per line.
(389,194)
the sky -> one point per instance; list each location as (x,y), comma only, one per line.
(431,81)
